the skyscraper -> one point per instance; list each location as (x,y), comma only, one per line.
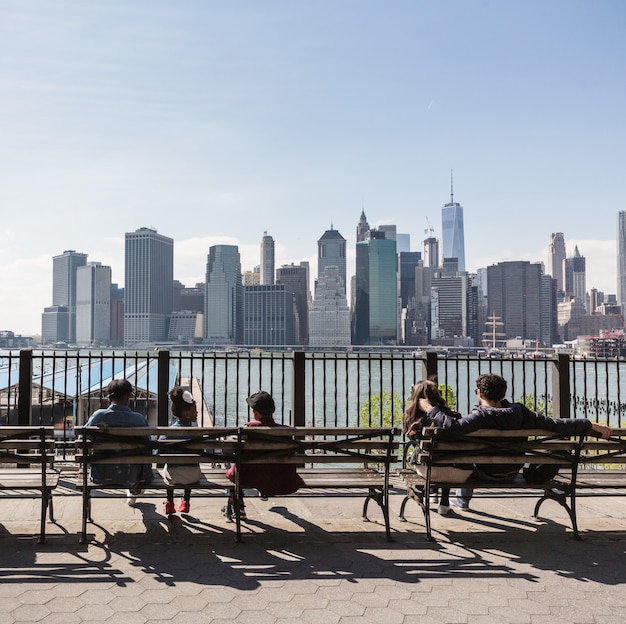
(267,259)
(408,261)
(329,322)
(362,228)
(576,277)
(375,318)
(269,316)
(331,251)
(431,252)
(516,293)
(93,305)
(64,269)
(556,259)
(452,233)
(148,292)
(296,281)
(621,260)
(223,311)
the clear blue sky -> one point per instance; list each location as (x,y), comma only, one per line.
(217,121)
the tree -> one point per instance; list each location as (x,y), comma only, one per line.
(386,409)
(382,410)
(541,405)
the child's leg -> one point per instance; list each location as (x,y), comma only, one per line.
(170,495)
(188,494)
(445,496)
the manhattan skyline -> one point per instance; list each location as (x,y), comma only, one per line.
(214,123)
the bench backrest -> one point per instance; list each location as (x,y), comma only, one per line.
(490,446)
(319,445)
(296,445)
(131,445)
(27,445)
(612,451)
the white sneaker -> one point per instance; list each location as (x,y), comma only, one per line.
(131,497)
(443,510)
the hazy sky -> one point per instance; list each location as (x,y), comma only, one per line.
(216,121)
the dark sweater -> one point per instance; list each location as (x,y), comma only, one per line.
(509,416)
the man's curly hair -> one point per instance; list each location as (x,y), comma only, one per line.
(491,386)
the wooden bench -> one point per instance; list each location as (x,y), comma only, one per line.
(530,447)
(140,445)
(27,463)
(328,458)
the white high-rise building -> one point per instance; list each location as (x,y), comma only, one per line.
(93,305)
(267,259)
(556,259)
(329,318)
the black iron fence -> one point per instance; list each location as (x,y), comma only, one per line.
(62,388)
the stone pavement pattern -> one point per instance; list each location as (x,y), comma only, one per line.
(312,560)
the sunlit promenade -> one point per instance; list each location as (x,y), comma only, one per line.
(312,559)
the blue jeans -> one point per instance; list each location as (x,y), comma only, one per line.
(464,494)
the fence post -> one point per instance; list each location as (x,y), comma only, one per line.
(297,390)
(561,386)
(429,366)
(25,389)
(163,381)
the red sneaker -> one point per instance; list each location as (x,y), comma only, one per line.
(169,508)
(183,507)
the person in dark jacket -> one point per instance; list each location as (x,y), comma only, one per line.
(495,412)
(269,479)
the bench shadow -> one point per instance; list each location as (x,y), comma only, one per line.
(542,543)
(192,549)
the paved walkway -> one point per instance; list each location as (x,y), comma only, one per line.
(312,560)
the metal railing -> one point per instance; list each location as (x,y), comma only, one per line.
(62,388)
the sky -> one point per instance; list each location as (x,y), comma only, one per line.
(215,122)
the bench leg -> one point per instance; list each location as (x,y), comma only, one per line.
(383,502)
(86,514)
(50,508)
(561,498)
(43,516)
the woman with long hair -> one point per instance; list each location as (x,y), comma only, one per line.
(415,419)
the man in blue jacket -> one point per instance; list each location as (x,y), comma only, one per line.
(119,414)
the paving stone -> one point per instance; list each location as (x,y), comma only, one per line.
(383,615)
(95,612)
(65,604)
(449,616)
(36,596)
(256,617)
(30,613)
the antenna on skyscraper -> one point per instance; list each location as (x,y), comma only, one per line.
(451,186)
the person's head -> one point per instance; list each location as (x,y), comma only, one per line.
(491,387)
(119,391)
(262,404)
(183,405)
(424,389)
